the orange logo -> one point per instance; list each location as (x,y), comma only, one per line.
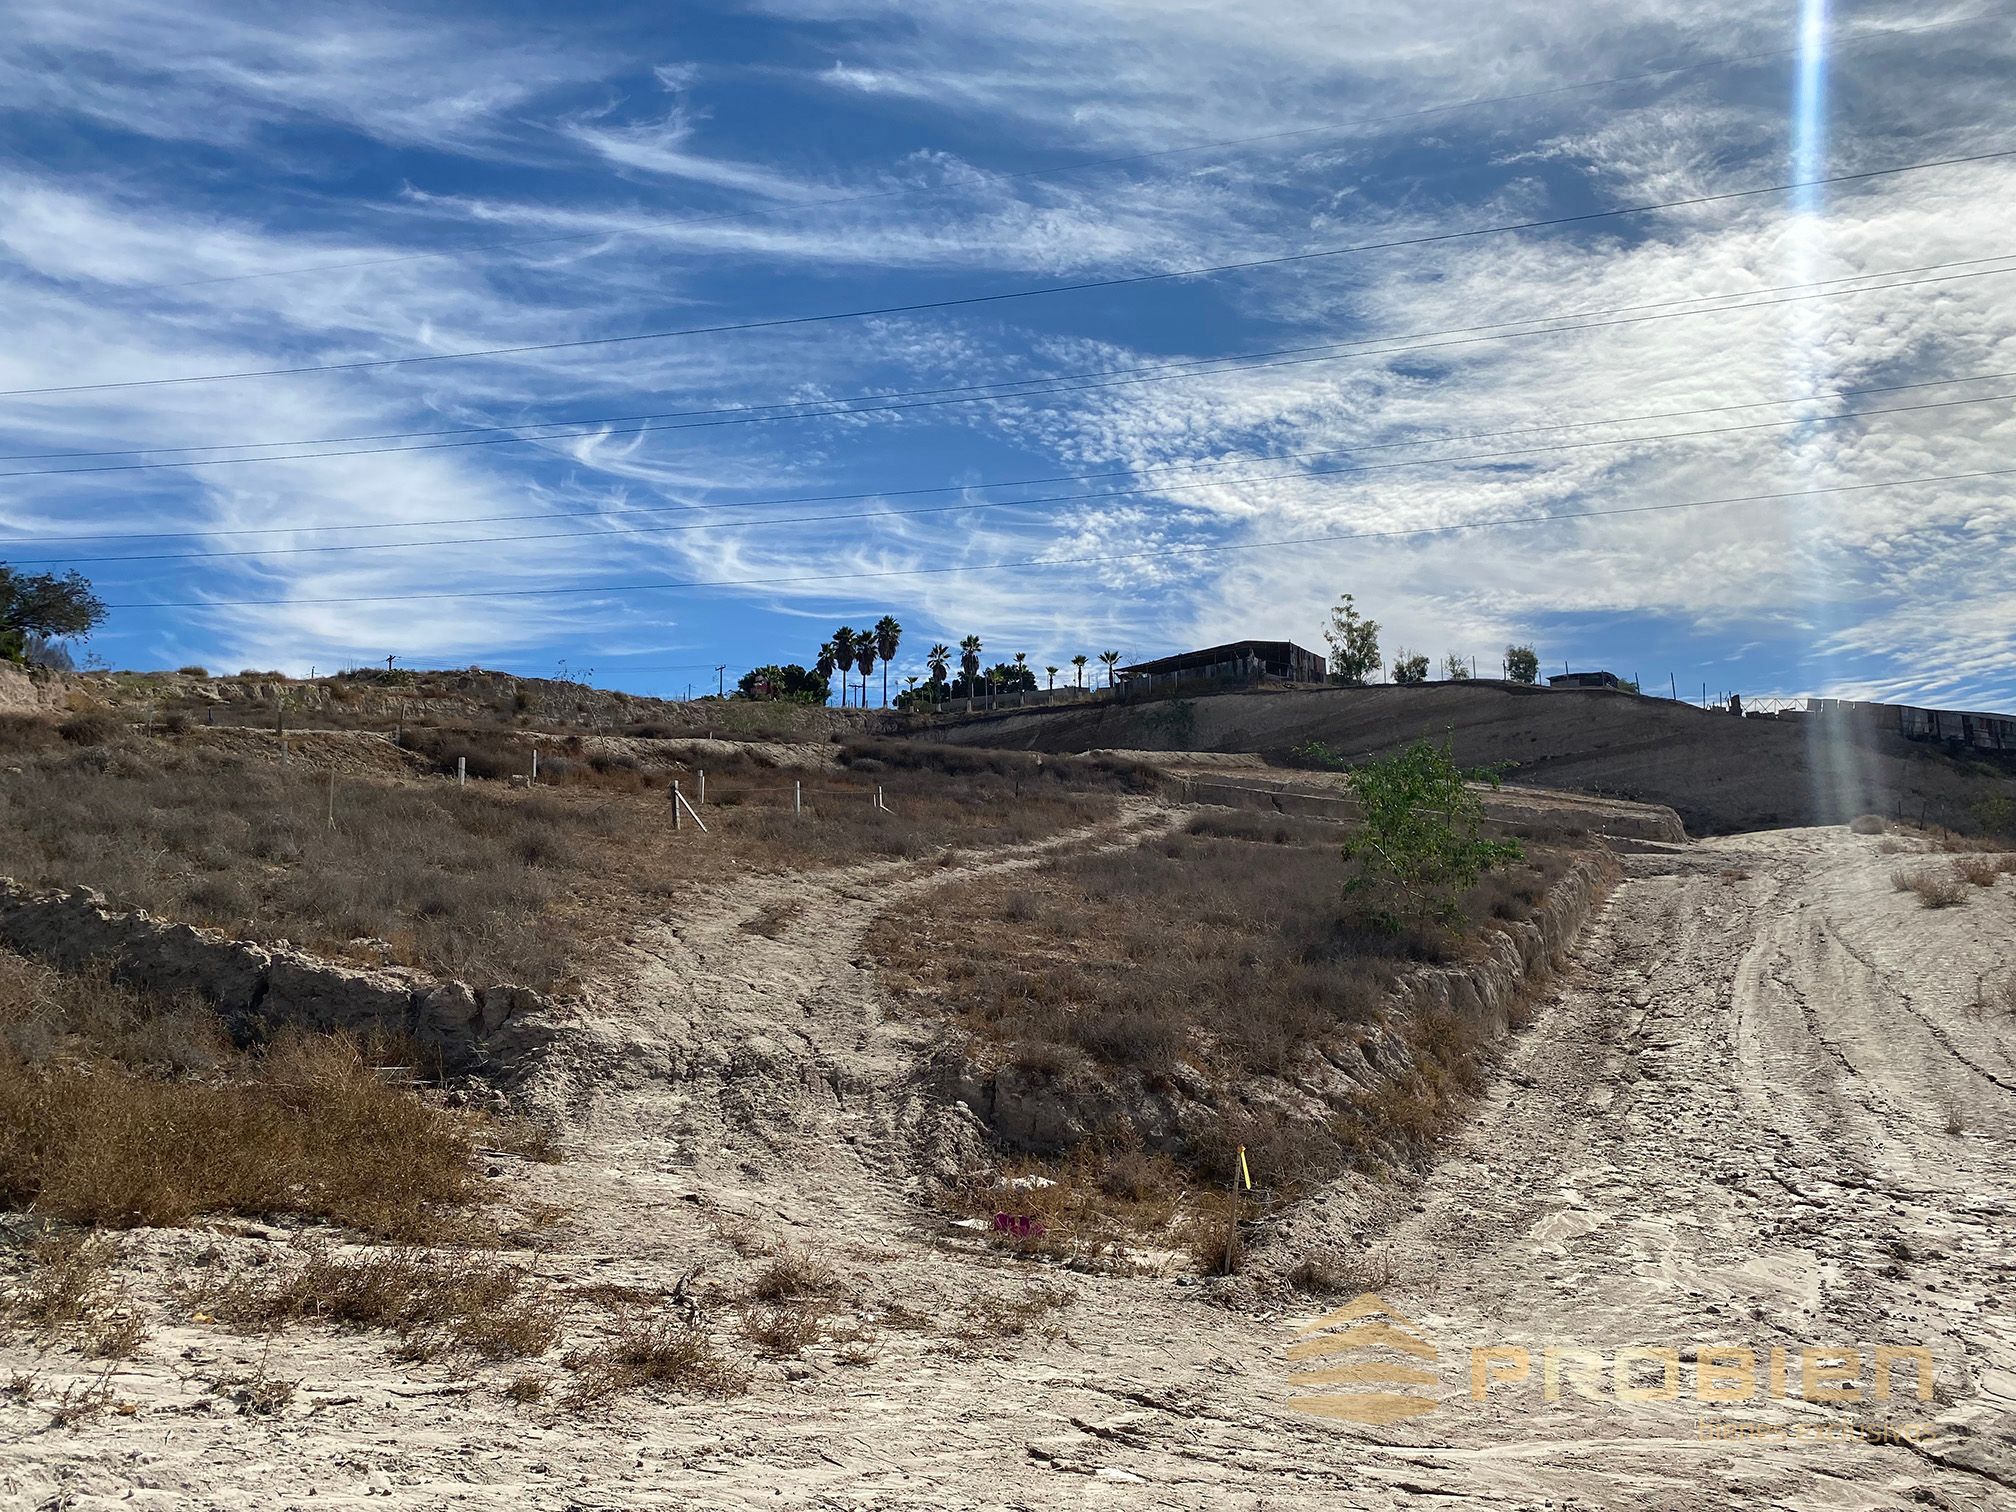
(1364,1334)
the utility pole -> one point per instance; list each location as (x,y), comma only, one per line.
(721,680)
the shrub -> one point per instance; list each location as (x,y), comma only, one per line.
(435,1304)
(1867,824)
(649,1352)
(193,670)
(1933,890)
(1417,850)
(94,728)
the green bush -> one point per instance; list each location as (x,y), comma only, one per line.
(1417,850)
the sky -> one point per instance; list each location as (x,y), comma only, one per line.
(828,309)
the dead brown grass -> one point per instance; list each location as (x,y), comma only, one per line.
(1181,995)
(1984,870)
(1934,889)
(488,882)
(1333,1272)
(117,1109)
(67,1292)
(650,1353)
(438,1305)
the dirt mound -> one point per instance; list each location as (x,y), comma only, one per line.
(1719,772)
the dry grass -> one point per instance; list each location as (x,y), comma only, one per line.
(1868,824)
(1934,889)
(1984,870)
(653,1353)
(794,1276)
(66,1293)
(487,882)
(1029,1313)
(1330,1272)
(437,1305)
(119,1109)
(1996,995)
(783,1330)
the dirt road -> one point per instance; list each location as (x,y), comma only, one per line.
(1758,1112)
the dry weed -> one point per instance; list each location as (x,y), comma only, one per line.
(1933,889)
(1984,870)
(1326,1272)
(783,1330)
(654,1353)
(67,1294)
(312,1129)
(1868,824)
(437,1305)
(795,1275)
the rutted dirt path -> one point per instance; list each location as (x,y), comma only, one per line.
(1756,1112)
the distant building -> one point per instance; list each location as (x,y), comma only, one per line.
(1244,661)
(1584,680)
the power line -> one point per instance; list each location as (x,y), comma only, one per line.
(1015,176)
(1201,548)
(1041,291)
(897,493)
(969,508)
(1373,346)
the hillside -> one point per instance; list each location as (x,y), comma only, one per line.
(1721,774)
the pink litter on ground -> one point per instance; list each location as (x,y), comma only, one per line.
(1021,1225)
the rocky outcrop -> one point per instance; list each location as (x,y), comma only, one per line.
(1032,1110)
(494,1030)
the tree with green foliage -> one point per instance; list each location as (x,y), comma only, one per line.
(888,636)
(1354,644)
(1109,660)
(785,684)
(40,610)
(1455,669)
(1522,664)
(1409,667)
(864,663)
(1051,673)
(828,662)
(1417,849)
(844,643)
(1079,662)
(969,664)
(938,662)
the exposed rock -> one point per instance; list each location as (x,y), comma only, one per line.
(497,1029)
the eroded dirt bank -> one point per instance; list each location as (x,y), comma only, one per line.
(1759,1111)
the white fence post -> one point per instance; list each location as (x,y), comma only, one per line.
(703,787)
(461,771)
(798,796)
(535,764)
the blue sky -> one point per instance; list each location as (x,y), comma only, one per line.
(189,190)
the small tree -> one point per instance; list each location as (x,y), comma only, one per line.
(1109,660)
(1455,668)
(1354,644)
(788,684)
(1417,850)
(1051,673)
(1410,668)
(1522,664)
(44,609)
(1080,662)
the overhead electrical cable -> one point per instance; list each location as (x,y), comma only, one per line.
(1097,559)
(1371,346)
(967,301)
(1299,475)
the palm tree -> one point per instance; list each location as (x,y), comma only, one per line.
(888,635)
(1052,672)
(1079,661)
(1021,675)
(843,653)
(1110,659)
(828,660)
(969,663)
(939,660)
(864,663)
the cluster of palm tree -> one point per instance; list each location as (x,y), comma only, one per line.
(851,651)
(855,653)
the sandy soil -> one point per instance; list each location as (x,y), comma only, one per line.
(1758,1111)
